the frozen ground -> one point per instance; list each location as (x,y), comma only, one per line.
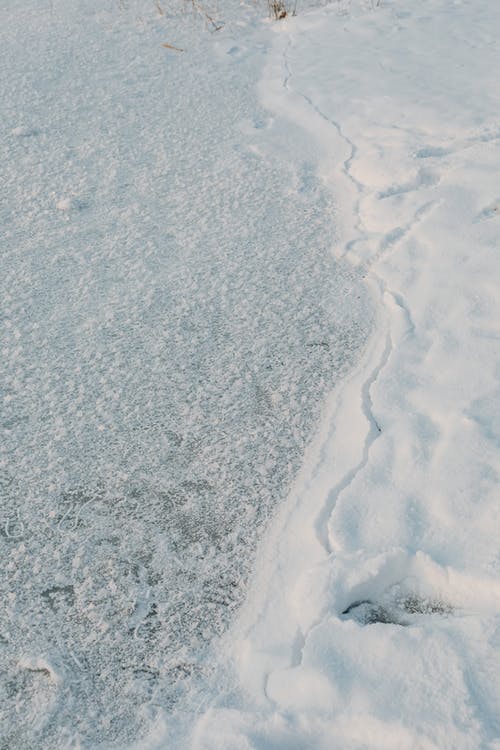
(176,319)
(172,319)
(374,615)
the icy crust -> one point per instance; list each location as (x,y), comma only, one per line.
(172,319)
(373,620)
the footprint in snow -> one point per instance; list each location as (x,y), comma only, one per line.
(399,611)
(400,588)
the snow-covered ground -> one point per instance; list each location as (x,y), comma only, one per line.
(184,267)
(374,618)
(172,318)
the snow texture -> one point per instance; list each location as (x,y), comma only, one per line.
(373,619)
(172,320)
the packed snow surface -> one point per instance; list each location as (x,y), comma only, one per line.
(172,319)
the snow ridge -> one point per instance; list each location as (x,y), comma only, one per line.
(386,297)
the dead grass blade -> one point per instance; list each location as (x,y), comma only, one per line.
(171,46)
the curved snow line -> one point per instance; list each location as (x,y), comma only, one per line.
(314,120)
(298,540)
(373,433)
(404,538)
(299,543)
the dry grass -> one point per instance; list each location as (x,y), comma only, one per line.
(202,11)
(171,46)
(281,9)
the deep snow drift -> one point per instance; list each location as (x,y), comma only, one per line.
(172,318)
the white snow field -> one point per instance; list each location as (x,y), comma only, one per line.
(200,249)
(172,320)
(374,614)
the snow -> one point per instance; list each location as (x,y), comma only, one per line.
(172,319)
(373,618)
(65,204)
(187,276)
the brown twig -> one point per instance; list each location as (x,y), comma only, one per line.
(171,46)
